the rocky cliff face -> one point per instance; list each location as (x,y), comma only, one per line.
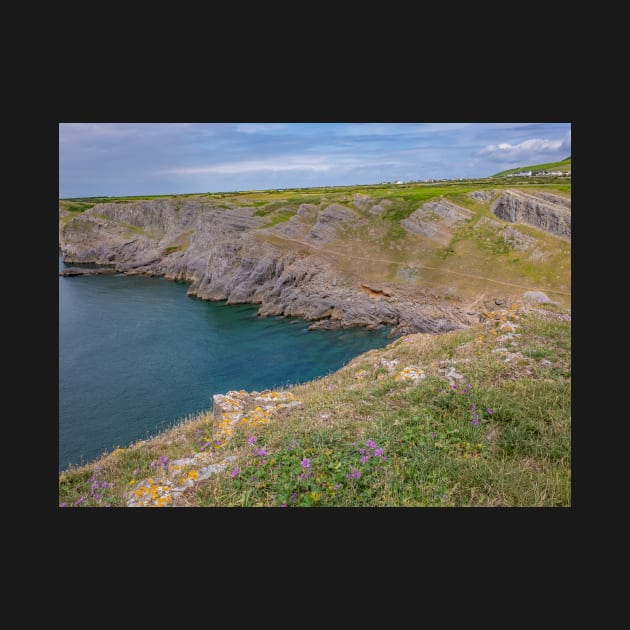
(229,254)
(284,260)
(542,210)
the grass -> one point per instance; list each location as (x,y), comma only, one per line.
(75,207)
(477,417)
(279,217)
(563,166)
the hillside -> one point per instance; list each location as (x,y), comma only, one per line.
(563,166)
(478,414)
(420,258)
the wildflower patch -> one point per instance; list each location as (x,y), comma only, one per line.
(175,477)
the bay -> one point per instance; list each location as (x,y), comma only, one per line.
(137,355)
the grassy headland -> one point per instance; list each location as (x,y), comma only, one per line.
(477,417)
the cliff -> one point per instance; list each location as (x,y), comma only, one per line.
(337,262)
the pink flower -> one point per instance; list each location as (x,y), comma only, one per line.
(235,472)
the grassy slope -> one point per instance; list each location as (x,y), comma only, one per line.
(563,165)
(518,454)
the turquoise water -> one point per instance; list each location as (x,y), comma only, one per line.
(136,354)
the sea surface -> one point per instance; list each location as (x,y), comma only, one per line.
(137,355)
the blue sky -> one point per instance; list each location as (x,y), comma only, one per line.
(112,159)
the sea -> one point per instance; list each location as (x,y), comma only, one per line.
(137,355)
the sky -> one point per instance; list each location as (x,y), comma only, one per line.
(117,159)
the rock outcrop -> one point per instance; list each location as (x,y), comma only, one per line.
(434,218)
(542,210)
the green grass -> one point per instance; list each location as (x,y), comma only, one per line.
(501,438)
(279,217)
(563,165)
(75,207)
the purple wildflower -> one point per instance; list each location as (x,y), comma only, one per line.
(95,485)
(489,411)
(305,463)
(154,463)
(135,472)
(354,473)
(475,421)
(283,505)
(235,472)
(263,462)
(337,486)
(364,459)
(64,504)
(79,500)
(251,439)
(261,452)
(379,452)
(361,451)
(440,390)
(473,406)
(454,386)
(370,444)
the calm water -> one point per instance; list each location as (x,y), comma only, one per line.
(136,354)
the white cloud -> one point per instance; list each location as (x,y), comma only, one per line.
(316,164)
(529,150)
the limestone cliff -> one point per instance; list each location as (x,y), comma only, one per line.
(291,260)
(542,210)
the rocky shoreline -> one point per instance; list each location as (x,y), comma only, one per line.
(232,253)
(80,271)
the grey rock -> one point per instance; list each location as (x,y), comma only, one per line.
(545,211)
(434,219)
(481,195)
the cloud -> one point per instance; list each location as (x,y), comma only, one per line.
(528,151)
(314,163)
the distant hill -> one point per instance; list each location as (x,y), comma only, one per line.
(564,165)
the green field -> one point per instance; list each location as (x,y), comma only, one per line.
(563,166)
